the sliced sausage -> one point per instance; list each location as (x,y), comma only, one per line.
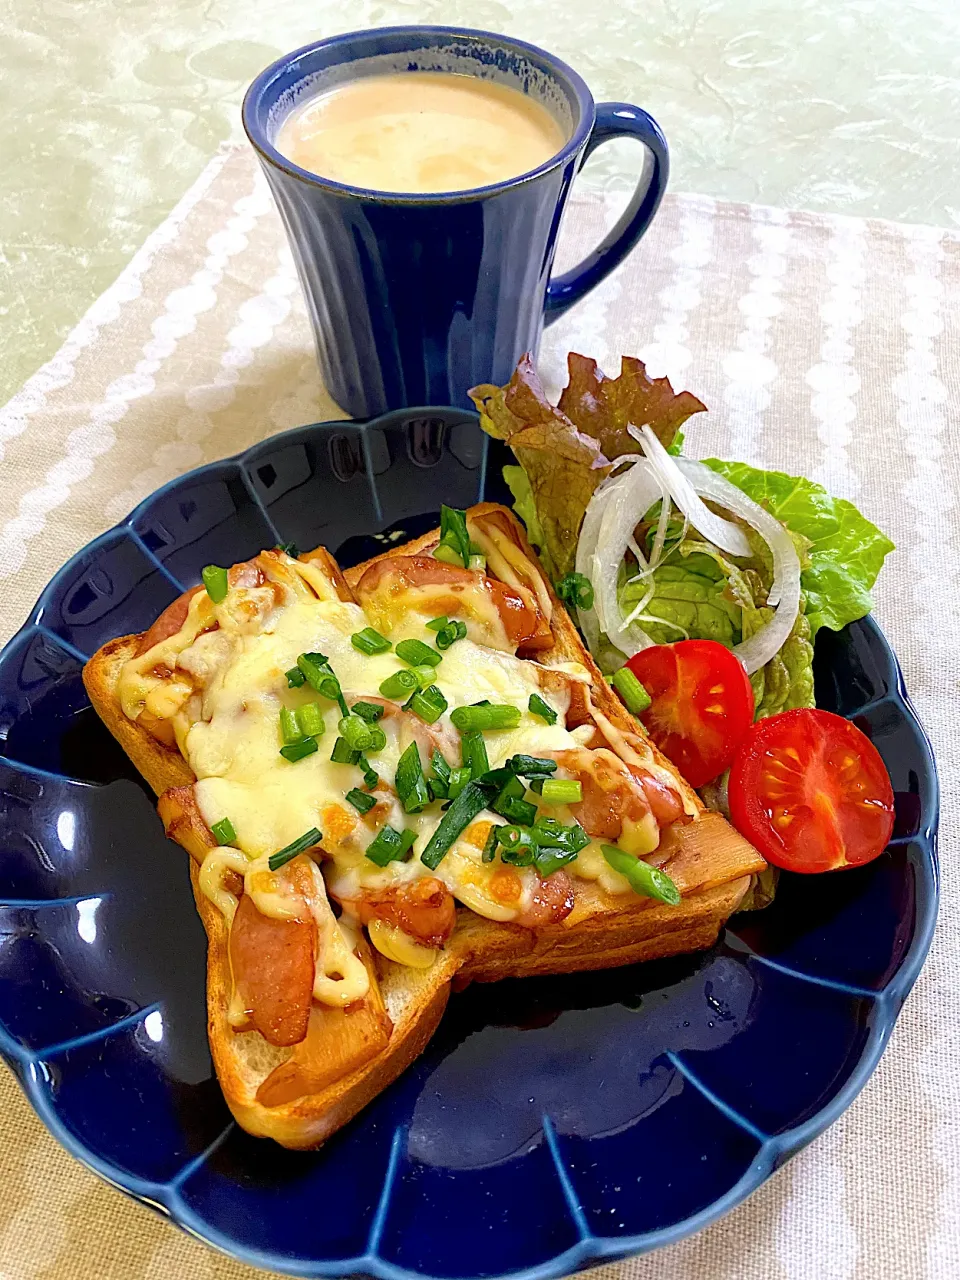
(552,901)
(449,587)
(168,623)
(273,963)
(424,909)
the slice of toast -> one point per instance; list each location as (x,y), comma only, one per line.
(710,863)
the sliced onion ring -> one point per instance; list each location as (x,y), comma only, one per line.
(785,591)
(618,506)
(623,511)
(722,533)
(588,563)
(586,546)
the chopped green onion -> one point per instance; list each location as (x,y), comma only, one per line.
(474,754)
(440,766)
(357,732)
(295,678)
(370,775)
(562,791)
(458,780)
(296,847)
(578,838)
(547,861)
(439,780)
(522,857)
(449,634)
(514,810)
(471,801)
(448,555)
(319,674)
(476,719)
(454,535)
(429,704)
(436,624)
(342,752)
(378,739)
(550,834)
(290,730)
(575,589)
(410,783)
(507,782)
(425,675)
(537,707)
(369,641)
(649,882)
(361,800)
(532,766)
(369,711)
(299,750)
(390,846)
(223,832)
(513,836)
(490,848)
(478,564)
(549,831)
(399,686)
(290,548)
(417,654)
(517,846)
(509,802)
(311,720)
(634,695)
(215,581)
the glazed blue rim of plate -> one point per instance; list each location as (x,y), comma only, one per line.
(590,1248)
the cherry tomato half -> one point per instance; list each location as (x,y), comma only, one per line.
(701,704)
(811,793)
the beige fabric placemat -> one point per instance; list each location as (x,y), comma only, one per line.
(824,346)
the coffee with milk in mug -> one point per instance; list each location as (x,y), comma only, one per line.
(420,132)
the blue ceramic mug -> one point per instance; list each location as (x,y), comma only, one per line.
(415,298)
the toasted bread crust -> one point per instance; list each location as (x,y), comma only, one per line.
(308,1121)
(614,931)
(163,767)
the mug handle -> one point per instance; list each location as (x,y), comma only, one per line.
(615,120)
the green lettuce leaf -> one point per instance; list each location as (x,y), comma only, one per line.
(787,679)
(690,598)
(526,509)
(762,890)
(845,552)
(700,594)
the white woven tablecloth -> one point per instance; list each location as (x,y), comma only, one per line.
(822,346)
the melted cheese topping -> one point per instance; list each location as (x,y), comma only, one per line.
(391,613)
(636,750)
(225,695)
(215,864)
(399,946)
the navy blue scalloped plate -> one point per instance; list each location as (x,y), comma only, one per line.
(551,1123)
